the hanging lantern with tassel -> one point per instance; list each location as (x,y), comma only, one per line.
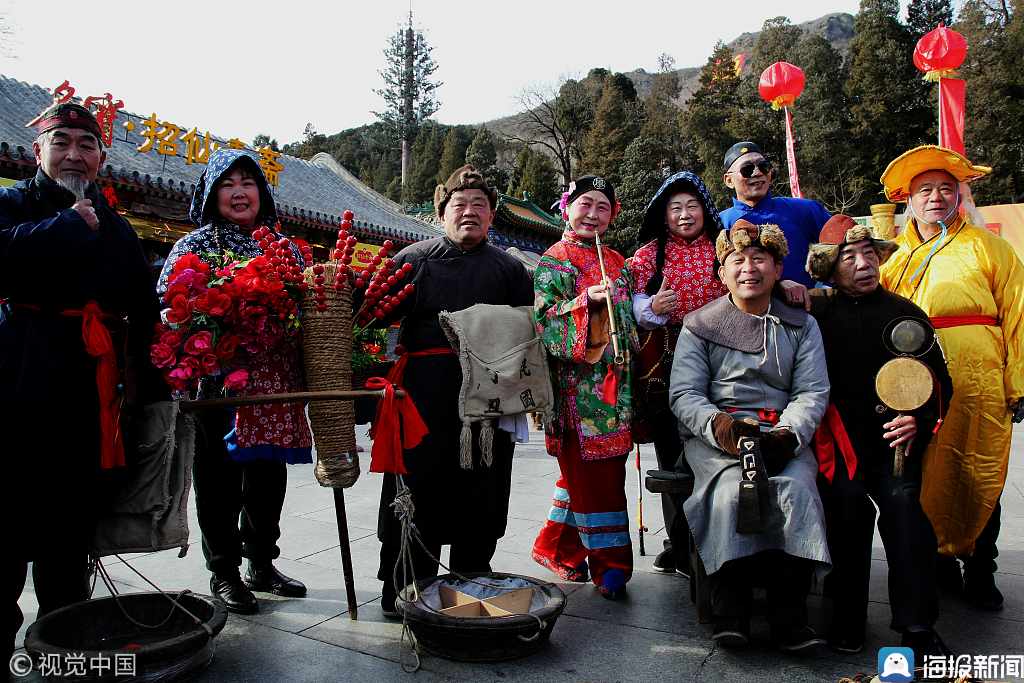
(780,84)
(939,53)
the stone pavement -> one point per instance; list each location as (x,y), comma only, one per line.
(653,635)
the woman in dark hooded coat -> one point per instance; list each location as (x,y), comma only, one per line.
(673,274)
(240,454)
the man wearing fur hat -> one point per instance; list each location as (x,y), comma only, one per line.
(857,439)
(749,175)
(464,508)
(748,365)
(971,283)
(74,284)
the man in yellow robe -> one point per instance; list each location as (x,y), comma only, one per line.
(971,284)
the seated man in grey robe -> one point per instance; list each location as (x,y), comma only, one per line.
(747,365)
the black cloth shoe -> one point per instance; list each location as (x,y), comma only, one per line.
(980,590)
(796,638)
(264,577)
(925,643)
(387,606)
(730,632)
(845,636)
(665,562)
(234,594)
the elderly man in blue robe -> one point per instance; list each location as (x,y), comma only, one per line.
(747,365)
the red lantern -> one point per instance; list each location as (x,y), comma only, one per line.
(939,53)
(781,84)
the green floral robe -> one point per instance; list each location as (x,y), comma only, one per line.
(579,345)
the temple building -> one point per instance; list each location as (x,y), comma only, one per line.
(152,167)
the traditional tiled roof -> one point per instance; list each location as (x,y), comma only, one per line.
(317,190)
(524,212)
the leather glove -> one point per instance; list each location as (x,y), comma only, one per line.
(1018,410)
(728,432)
(777,449)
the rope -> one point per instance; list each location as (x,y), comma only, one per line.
(404,511)
(108,582)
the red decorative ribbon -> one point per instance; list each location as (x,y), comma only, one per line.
(832,431)
(99,344)
(610,386)
(769,415)
(398,418)
(942,321)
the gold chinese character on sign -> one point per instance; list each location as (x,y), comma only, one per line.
(235,143)
(268,160)
(106,114)
(162,133)
(168,134)
(197,147)
(150,132)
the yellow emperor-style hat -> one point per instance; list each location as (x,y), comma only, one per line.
(903,169)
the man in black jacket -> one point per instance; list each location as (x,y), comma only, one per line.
(78,297)
(857,439)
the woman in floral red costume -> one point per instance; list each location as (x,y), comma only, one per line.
(590,434)
(241,454)
(673,274)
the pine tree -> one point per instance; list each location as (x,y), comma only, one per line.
(641,177)
(821,125)
(537,175)
(408,90)
(889,105)
(613,128)
(924,16)
(662,124)
(482,154)
(422,175)
(706,120)
(454,154)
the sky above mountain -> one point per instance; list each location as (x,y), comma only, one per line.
(237,69)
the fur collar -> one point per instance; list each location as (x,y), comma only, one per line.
(720,322)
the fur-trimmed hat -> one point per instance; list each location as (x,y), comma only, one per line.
(745,234)
(839,231)
(465,178)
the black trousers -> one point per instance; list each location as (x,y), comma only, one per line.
(668,448)
(983,560)
(787,578)
(238,503)
(467,556)
(906,533)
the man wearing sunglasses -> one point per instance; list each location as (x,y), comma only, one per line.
(749,175)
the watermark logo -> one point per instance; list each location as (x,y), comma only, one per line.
(895,665)
(51,664)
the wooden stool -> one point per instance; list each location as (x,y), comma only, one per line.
(681,484)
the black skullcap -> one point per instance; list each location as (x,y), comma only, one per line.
(738,150)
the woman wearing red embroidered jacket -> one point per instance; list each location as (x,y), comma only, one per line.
(590,433)
(673,274)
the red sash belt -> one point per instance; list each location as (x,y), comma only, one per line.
(942,321)
(769,415)
(99,344)
(401,422)
(832,431)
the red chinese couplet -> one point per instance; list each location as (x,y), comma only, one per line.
(794,179)
(951,114)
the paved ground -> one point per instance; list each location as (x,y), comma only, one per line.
(651,636)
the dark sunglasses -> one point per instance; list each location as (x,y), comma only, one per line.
(747,169)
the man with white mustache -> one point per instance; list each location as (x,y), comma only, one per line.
(73,283)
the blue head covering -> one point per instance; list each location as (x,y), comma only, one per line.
(654,225)
(202,212)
